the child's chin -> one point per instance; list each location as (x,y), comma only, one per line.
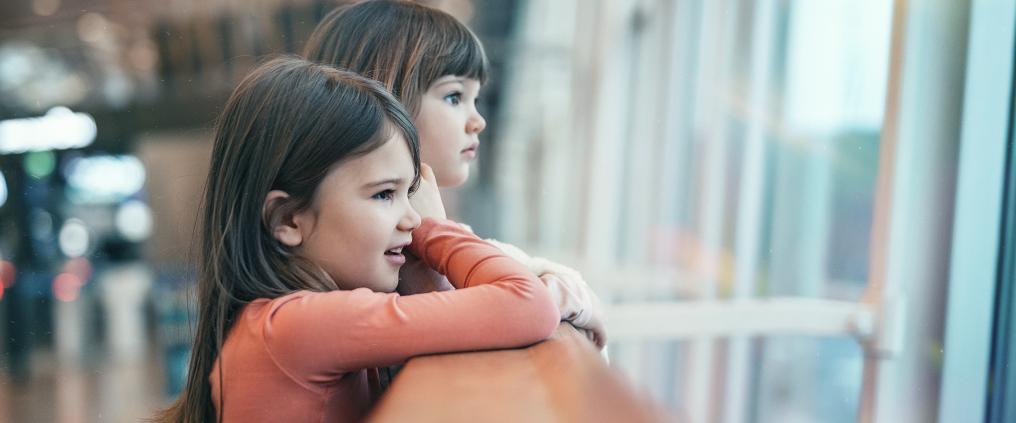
(455,178)
(380,284)
(389,286)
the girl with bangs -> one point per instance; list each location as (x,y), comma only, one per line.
(436,66)
(314,198)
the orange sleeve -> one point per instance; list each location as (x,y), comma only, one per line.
(316,337)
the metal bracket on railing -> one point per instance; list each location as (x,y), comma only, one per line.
(887,332)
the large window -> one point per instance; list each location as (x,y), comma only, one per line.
(762,190)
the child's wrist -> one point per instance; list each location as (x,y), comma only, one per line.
(416,247)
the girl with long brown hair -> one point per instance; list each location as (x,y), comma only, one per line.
(436,66)
(309,213)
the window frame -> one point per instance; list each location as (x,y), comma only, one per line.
(977,229)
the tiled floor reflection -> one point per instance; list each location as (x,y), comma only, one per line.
(79,390)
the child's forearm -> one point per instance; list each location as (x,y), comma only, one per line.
(462,257)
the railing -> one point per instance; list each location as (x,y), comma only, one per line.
(562,379)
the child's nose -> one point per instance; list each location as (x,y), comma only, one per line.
(410,220)
(476,123)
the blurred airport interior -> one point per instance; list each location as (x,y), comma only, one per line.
(783,165)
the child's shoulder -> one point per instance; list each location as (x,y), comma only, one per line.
(306,308)
(306,298)
(259,307)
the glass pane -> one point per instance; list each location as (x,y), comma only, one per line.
(712,150)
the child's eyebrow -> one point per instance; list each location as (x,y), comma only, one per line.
(396,181)
(450,81)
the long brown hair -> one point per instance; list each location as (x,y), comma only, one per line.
(284,127)
(404,45)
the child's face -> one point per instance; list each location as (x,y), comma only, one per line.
(448,124)
(360,213)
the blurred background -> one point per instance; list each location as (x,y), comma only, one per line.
(677,152)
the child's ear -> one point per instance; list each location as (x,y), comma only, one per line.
(278,215)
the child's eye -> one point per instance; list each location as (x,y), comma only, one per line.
(385,195)
(454,98)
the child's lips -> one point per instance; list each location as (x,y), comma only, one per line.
(471,150)
(396,259)
(395,256)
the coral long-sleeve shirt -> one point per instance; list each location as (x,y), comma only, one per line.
(312,357)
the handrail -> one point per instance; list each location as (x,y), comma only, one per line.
(560,379)
(687,320)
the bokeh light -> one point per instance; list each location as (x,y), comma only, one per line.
(41,224)
(79,266)
(93,28)
(134,221)
(3,189)
(104,179)
(67,286)
(8,274)
(45,7)
(74,238)
(39,164)
(59,129)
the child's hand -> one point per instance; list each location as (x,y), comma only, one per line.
(427,199)
(415,277)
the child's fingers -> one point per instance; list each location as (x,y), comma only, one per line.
(426,172)
(427,200)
